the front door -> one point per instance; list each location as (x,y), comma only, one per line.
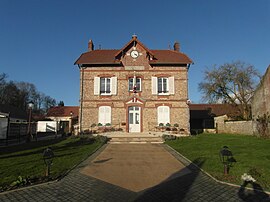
(134,119)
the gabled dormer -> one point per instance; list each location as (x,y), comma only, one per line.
(132,49)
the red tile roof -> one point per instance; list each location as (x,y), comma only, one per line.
(108,57)
(170,57)
(98,57)
(112,56)
(63,111)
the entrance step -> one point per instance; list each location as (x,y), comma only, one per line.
(135,138)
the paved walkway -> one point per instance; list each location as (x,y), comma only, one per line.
(143,172)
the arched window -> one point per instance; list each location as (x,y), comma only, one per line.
(163,114)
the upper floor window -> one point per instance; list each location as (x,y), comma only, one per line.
(132,83)
(163,85)
(105,85)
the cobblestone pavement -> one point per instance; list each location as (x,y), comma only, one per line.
(194,186)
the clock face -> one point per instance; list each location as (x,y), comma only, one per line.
(134,54)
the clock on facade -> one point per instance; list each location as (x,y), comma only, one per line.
(134,54)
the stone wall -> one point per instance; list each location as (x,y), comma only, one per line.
(233,127)
(260,102)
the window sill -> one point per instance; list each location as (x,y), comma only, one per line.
(163,94)
(105,94)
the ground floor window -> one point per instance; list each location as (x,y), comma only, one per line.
(163,114)
(104,115)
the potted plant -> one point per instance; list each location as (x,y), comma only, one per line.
(161,126)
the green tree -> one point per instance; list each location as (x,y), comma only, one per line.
(61,103)
(232,83)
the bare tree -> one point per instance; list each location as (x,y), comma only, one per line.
(19,94)
(49,102)
(10,94)
(232,83)
(3,77)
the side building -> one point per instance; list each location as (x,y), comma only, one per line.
(261,98)
(260,106)
(133,88)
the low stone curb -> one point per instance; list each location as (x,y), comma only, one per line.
(186,161)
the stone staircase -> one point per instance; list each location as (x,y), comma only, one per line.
(134,138)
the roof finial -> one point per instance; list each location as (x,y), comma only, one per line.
(134,36)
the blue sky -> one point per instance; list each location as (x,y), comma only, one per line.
(41,39)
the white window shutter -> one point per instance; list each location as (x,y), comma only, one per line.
(96,85)
(171,85)
(108,114)
(104,115)
(101,115)
(154,85)
(163,114)
(114,85)
(166,113)
(159,115)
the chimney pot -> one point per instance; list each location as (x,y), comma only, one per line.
(90,45)
(176,46)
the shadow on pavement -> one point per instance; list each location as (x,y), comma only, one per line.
(175,187)
(102,161)
(256,195)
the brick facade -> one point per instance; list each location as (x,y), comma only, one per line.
(147,66)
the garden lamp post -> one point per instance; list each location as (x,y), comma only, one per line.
(71,116)
(48,156)
(30,106)
(226,158)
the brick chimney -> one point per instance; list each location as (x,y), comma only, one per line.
(90,45)
(176,46)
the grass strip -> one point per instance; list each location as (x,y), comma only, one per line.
(251,153)
(25,162)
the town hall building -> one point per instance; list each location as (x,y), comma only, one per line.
(134,88)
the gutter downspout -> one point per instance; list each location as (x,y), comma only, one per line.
(81,97)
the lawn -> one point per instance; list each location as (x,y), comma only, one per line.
(26,161)
(251,153)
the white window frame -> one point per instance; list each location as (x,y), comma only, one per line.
(104,115)
(169,87)
(163,91)
(113,86)
(137,79)
(107,79)
(163,114)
